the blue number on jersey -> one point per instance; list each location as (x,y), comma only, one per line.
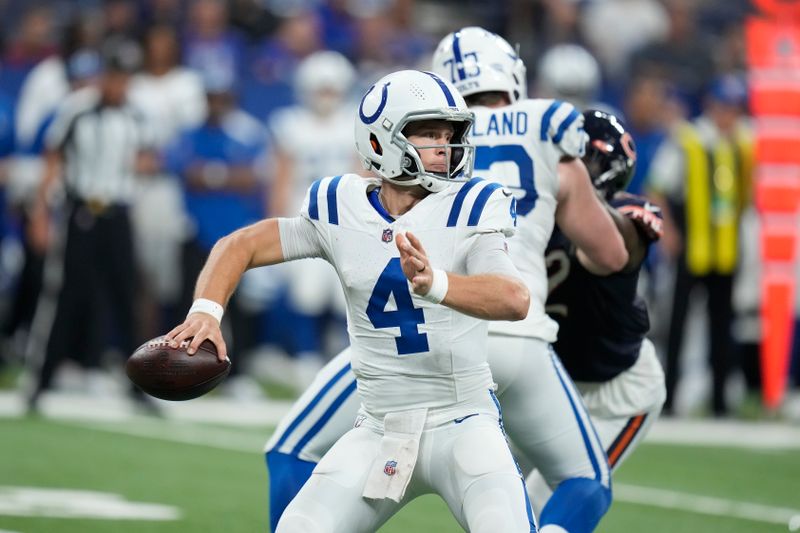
(406,317)
(486,156)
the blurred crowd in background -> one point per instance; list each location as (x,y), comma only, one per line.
(243,103)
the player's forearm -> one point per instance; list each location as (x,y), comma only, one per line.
(221,274)
(488,296)
(583,219)
(250,247)
(634,243)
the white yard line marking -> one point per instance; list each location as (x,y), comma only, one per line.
(725,433)
(75,503)
(708,505)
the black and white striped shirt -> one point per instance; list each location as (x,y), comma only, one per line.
(99,145)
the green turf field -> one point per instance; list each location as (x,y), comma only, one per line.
(214,477)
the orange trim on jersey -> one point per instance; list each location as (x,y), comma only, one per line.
(624,439)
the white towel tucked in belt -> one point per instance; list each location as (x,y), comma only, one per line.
(391,471)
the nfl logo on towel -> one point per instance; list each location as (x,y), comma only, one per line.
(391,466)
(387,235)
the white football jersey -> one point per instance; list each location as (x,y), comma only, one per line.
(520,146)
(407,352)
(316,145)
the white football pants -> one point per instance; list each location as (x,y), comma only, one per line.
(465,460)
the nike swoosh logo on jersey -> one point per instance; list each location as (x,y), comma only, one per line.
(459,420)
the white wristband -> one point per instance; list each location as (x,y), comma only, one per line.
(210,307)
(439,286)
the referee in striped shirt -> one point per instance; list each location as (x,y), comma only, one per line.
(96,144)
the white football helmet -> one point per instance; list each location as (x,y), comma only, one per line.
(324,79)
(569,72)
(389,106)
(477,60)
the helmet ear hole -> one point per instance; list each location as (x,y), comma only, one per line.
(376,146)
(410,166)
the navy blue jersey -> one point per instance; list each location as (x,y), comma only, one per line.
(601,319)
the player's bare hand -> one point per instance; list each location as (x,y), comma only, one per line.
(198,327)
(414,262)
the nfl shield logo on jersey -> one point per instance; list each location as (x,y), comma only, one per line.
(388,235)
(390,468)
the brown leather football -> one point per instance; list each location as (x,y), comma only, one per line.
(172,374)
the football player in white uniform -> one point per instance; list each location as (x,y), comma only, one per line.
(534,148)
(429,420)
(308,140)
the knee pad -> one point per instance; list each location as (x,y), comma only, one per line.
(577,505)
(287,474)
(491,509)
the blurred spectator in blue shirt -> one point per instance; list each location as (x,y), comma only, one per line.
(267,83)
(217,162)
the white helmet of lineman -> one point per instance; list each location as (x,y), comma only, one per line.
(477,60)
(389,106)
(323,80)
(569,72)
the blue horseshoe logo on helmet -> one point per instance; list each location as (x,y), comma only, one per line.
(373,117)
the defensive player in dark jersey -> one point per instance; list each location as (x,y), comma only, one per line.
(602,322)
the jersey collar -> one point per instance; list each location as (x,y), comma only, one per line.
(375,201)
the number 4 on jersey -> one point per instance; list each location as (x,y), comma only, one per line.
(392,282)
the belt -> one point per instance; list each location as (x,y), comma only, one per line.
(99,207)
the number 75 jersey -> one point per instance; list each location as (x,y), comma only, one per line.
(406,351)
(520,146)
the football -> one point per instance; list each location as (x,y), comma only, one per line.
(172,374)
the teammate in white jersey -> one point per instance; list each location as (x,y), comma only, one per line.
(532,146)
(428,406)
(310,139)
